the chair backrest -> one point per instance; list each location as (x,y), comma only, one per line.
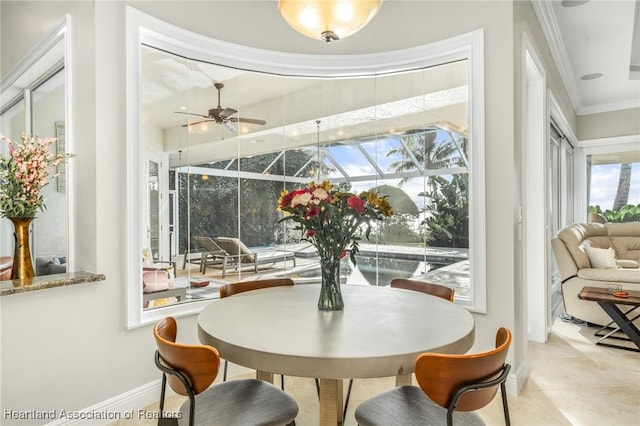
(438,290)
(209,245)
(147,257)
(199,363)
(234,247)
(6,265)
(242,286)
(441,375)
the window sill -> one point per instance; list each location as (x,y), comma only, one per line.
(47,281)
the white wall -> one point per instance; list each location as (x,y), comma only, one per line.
(525,22)
(609,124)
(68,347)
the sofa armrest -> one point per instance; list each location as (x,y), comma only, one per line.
(626,263)
(611,275)
(564,260)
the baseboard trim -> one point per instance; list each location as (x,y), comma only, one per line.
(516,379)
(120,407)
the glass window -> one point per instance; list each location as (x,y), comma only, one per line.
(614,186)
(394,148)
(46,103)
(235,139)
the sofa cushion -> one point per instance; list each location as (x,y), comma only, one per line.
(574,237)
(625,239)
(47,265)
(602,258)
(626,247)
(611,275)
(627,229)
(155,280)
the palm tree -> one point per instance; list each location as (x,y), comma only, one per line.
(448,206)
(429,154)
(624,183)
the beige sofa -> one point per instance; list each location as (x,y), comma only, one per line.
(584,259)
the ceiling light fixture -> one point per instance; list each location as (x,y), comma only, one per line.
(573,3)
(591,76)
(328,20)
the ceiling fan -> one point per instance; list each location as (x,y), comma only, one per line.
(222,115)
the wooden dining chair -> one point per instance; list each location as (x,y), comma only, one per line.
(191,369)
(451,388)
(242,286)
(438,290)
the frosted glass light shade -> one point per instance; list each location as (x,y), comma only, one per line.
(328,20)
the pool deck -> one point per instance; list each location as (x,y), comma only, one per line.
(390,251)
(455,274)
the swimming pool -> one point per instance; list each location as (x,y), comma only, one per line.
(378,271)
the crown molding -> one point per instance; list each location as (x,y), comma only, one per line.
(549,24)
(612,106)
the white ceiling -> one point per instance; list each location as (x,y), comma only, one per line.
(584,37)
(590,37)
(348,108)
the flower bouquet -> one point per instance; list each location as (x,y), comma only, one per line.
(23,174)
(333,222)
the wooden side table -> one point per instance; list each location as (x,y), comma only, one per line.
(609,303)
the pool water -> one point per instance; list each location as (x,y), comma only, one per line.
(378,271)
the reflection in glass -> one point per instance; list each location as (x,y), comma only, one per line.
(46,104)
(50,226)
(11,125)
(153,191)
(402,134)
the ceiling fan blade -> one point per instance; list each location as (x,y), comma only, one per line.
(227,112)
(197,122)
(247,120)
(191,113)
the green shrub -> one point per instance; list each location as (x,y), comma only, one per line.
(628,213)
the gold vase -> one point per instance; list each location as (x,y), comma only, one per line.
(22,265)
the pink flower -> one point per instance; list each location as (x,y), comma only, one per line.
(25,171)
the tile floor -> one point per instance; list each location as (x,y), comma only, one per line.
(571,382)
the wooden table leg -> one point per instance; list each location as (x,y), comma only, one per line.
(263,375)
(330,402)
(403,380)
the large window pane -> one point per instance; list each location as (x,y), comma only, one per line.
(229,140)
(614,190)
(234,146)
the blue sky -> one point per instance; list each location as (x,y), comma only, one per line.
(604,183)
(604,178)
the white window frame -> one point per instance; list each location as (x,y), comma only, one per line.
(53,52)
(588,147)
(142,28)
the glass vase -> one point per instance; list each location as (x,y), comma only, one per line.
(22,265)
(330,294)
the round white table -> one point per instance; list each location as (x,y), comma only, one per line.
(379,333)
